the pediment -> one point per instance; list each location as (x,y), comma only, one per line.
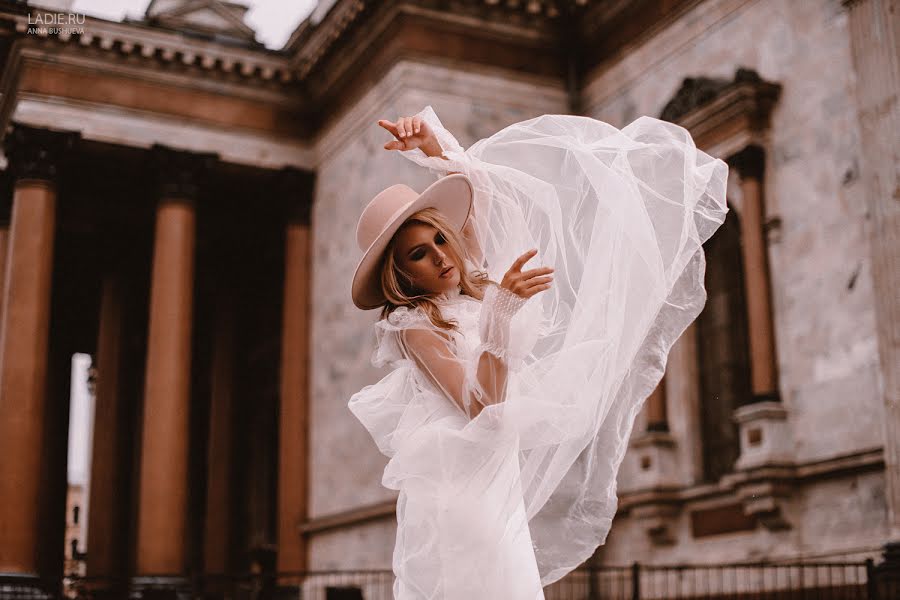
(216,18)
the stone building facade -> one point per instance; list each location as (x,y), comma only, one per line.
(197,194)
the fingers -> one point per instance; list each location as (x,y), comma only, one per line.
(404,127)
(537,281)
(528,283)
(535,272)
(535,290)
(520,262)
(392,127)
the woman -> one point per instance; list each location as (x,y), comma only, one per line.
(509,405)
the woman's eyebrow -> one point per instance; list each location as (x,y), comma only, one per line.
(410,251)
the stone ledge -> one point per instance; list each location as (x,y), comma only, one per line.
(865,460)
(349,518)
(654,505)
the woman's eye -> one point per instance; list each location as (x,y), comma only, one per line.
(439,239)
(418,254)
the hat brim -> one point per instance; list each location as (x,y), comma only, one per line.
(451,195)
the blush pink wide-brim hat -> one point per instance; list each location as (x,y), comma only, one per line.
(451,196)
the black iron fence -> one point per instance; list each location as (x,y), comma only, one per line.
(764,581)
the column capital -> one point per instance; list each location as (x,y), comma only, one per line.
(749,162)
(180,173)
(295,187)
(36,153)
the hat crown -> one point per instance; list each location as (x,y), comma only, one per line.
(379,212)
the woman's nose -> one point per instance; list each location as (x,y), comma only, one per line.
(439,257)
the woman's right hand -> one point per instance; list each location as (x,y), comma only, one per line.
(526,284)
(411,133)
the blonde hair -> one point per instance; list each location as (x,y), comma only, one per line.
(397,285)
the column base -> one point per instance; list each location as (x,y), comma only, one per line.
(765,435)
(656,464)
(658,521)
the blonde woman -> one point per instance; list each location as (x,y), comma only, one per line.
(528,300)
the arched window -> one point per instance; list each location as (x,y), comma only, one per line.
(75,511)
(723,349)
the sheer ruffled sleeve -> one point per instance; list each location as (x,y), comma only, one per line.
(471,381)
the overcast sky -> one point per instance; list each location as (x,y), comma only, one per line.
(273,20)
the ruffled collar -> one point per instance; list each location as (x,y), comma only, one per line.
(449,296)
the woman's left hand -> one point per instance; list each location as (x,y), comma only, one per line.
(411,133)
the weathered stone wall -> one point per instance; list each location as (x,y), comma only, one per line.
(818,256)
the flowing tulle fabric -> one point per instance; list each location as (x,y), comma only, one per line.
(499,505)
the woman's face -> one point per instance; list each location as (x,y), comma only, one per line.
(422,252)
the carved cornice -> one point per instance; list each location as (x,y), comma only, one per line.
(727,115)
(313,41)
(180,174)
(358,40)
(35,153)
(163,47)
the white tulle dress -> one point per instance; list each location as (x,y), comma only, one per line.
(501,504)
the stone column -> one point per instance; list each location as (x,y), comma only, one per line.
(750,163)
(219,530)
(163,494)
(656,408)
(5,210)
(293,468)
(34,156)
(875,41)
(765,438)
(106,525)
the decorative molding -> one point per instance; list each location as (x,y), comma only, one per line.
(139,129)
(161,46)
(658,522)
(724,116)
(796,474)
(312,42)
(36,153)
(182,15)
(695,92)
(763,500)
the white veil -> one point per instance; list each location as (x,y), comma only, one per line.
(621,215)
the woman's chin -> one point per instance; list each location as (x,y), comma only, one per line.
(442,286)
